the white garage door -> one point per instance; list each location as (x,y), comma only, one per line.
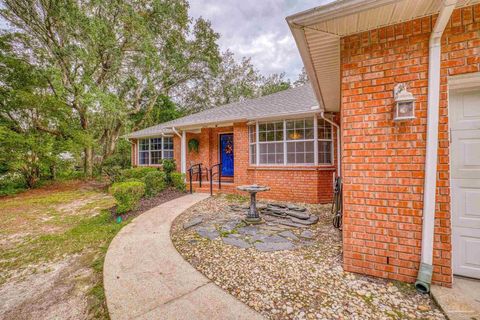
(465,179)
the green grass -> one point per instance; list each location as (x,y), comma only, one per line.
(54,198)
(405,288)
(93,232)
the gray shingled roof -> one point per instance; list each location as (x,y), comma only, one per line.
(292,101)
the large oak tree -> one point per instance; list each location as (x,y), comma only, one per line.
(109,61)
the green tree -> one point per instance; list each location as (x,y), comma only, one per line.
(234,81)
(163,110)
(110,61)
(302,78)
(274,83)
(34,124)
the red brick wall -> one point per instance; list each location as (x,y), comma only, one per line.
(302,184)
(240,142)
(134,154)
(383,161)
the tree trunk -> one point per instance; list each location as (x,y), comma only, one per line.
(109,141)
(88,161)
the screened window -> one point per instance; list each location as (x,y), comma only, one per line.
(296,141)
(154,150)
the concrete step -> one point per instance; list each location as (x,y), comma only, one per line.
(462,301)
(205,188)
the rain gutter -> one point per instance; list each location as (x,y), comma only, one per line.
(183,150)
(339,167)
(424,277)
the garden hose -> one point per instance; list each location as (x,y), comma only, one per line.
(337,204)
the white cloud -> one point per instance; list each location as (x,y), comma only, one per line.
(256,28)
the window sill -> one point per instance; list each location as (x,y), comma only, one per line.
(150,165)
(327,167)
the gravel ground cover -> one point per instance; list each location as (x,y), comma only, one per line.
(301,281)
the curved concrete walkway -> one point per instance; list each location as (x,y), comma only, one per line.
(146,278)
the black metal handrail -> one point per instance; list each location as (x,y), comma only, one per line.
(219,173)
(199,175)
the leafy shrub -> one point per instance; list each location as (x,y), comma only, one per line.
(178,180)
(127,194)
(121,156)
(114,173)
(137,173)
(11,183)
(169,166)
(155,182)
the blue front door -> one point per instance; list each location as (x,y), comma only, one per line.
(226,154)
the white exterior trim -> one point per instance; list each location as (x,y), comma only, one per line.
(285,141)
(315,138)
(339,162)
(464,81)
(183,152)
(430,183)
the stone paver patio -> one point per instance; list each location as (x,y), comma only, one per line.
(288,271)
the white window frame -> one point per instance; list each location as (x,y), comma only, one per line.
(285,141)
(259,143)
(299,140)
(323,140)
(149,151)
(250,144)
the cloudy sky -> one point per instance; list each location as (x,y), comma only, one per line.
(257,28)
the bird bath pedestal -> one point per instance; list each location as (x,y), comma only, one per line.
(252,216)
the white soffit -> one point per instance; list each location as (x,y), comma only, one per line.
(318,31)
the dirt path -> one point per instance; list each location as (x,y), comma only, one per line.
(53,242)
(57,294)
(46,271)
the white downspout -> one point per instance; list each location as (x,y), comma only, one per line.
(183,150)
(339,168)
(424,277)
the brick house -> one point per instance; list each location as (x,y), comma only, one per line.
(411,187)
(295,139)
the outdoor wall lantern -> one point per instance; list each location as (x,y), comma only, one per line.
(404,103)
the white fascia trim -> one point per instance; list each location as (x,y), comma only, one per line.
(335,9)
(304,50)
(283,116)
(152,135)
